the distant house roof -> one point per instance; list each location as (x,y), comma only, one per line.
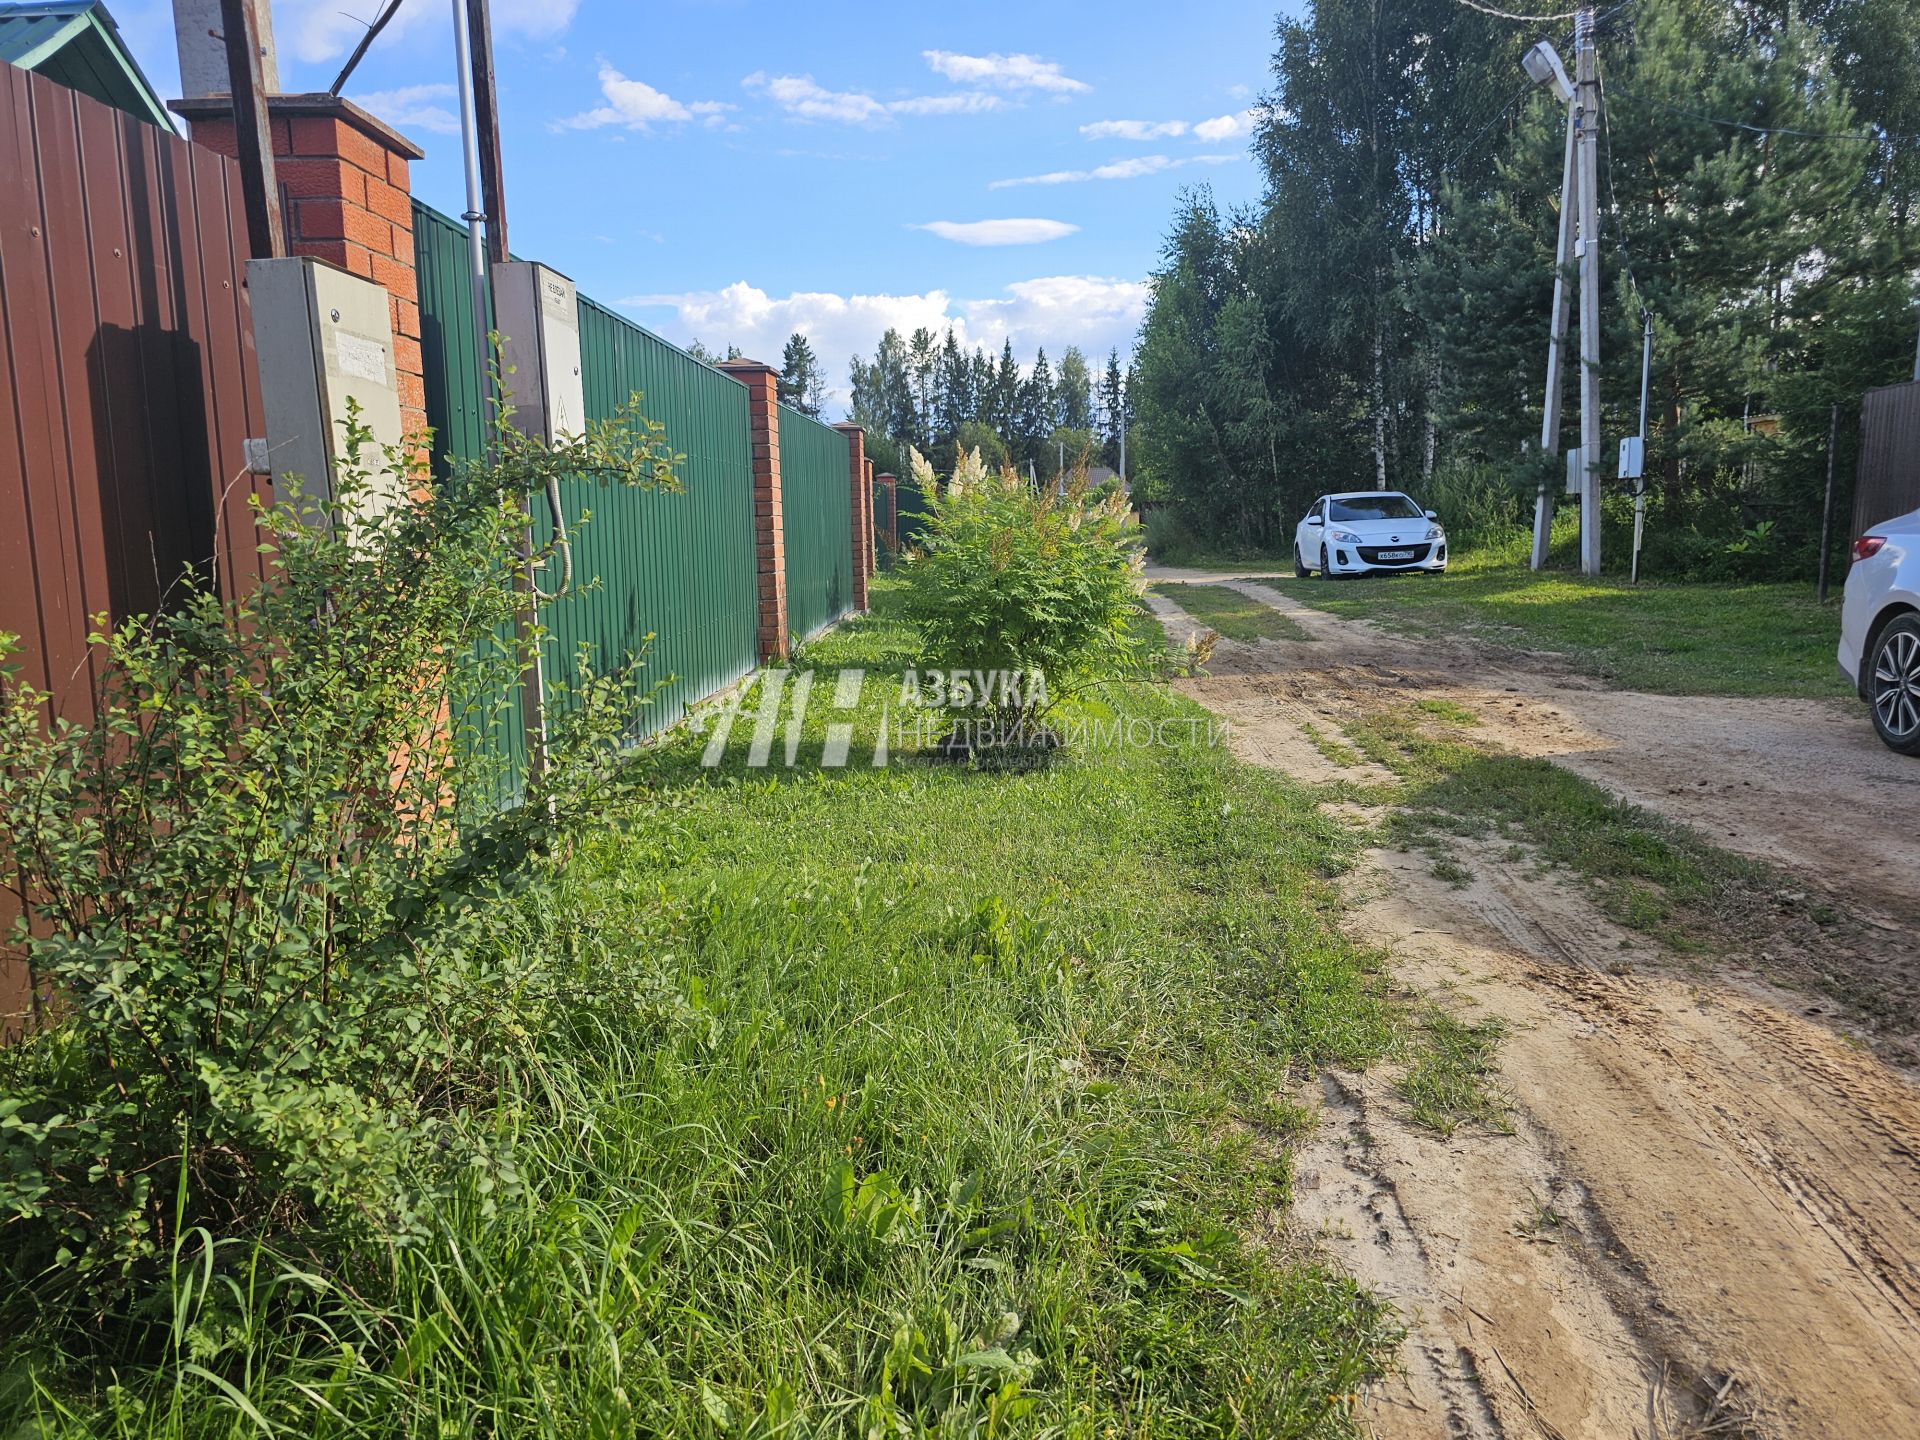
(76,43)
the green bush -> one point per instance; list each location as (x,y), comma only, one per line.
(1011,578)
(267,883)
(1483,506)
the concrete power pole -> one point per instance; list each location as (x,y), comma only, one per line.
(199,33)
(1587,122)
(1543,504)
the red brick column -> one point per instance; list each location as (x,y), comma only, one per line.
(769,540)
(345,194)
(892,486)
(872,551)
(861,495)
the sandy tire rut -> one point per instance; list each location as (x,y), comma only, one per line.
(1706,1219)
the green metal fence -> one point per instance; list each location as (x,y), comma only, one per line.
(816,502)
(663,577)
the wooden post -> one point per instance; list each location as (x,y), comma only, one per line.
(266,233)
(486,107)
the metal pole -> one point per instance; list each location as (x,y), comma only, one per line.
(1826,511)
(533,697)
(253,135)
(1587,111)
(1640,480)
(1123,433)
(486,104)
(1543,503)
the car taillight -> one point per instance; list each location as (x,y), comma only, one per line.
(1868,545)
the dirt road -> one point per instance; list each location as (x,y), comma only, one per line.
(1706,1219)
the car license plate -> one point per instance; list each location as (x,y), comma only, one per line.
(1396,554)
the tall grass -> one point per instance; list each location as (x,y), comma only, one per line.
(915,1100)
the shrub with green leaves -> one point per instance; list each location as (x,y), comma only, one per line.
(268,883)
(1013,578)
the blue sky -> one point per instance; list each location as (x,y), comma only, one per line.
(733,171)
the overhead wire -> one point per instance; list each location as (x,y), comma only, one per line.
(1520,19)
(1858,137)
(1613,195)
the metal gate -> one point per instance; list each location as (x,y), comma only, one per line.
(1887,482)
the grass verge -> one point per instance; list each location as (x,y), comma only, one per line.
(1234,615)
(1453,1077)
(1679,639)
(904,1100)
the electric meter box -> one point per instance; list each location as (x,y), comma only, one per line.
(537,312)
(323,336)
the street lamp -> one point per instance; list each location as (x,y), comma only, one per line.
(1542,64)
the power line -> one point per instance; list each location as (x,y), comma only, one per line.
(1613,196)
(1508,15)
(1869,137)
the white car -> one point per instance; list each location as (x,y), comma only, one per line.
(1880,628)
(1368,532)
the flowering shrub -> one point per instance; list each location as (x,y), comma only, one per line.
(1034,582)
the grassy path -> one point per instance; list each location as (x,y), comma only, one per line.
(902,1099)
(1665,639)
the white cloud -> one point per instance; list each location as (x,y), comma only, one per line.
(1004,72)
(1220,127)
(1226,127)
(1095,313)
(410,108)
(998,232)
(1055,311)
(799,95)
(1133,129)
(638,106)
(804,97)
(1130,169)
(967,102)
(316,31)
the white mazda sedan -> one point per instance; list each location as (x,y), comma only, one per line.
(1880,628)
(1368,532)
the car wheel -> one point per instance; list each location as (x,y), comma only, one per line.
(1893,685)
(1300,570)
(1325,572)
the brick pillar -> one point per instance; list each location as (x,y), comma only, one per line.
(872,551)
(345,194)
(861,494)
(769,539)
(892,527)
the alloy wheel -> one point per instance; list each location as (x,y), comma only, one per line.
(1896,685)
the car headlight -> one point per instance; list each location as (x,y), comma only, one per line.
(1435,532)
(1343,537)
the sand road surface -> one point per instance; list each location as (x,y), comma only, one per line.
(1706,1219)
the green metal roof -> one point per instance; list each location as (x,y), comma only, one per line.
(76,43)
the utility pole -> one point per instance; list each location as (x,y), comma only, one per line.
(486,104)
(1640,460)
(247,84)
(1123,432)
(1826,511)
(1586,103)
(1543,504)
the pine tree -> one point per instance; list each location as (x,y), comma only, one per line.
(922,356)
(802,384)
(1108,426)
(1004,412)
(1039,413)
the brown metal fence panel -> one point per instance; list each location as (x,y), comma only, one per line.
(127,382)
(1887,481)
